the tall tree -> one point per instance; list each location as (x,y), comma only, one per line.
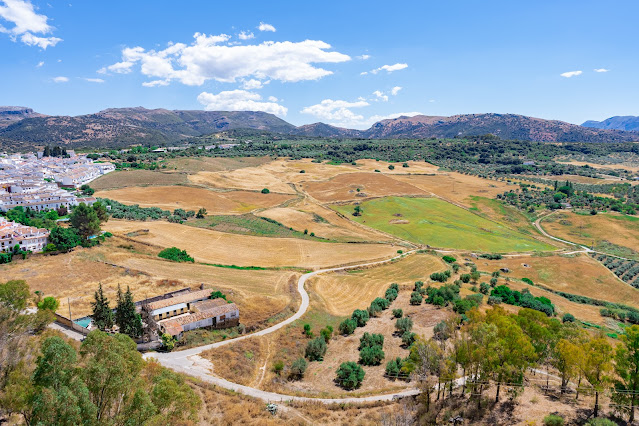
(101,211)
(102,314)
(85,221)
(126,317)
(627,369)
(597,366)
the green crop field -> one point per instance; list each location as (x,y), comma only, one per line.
(440,224)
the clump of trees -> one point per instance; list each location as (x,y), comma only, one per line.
(176,255)
(523,298)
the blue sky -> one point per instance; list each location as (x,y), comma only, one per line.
(348,63)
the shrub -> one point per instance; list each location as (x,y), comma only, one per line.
(418,285)
(278,366)
(568,318)
(374,310)
(307,331)
(455,267)
(350,375)
(373,355)
(449,259)
(416,298)
(484,288)
(528,281)
(298,368)
(393,367)
(408,338)
(327,333)
(553,420)
(493,282)
(600,422)
(316,349)
(48,303)
(403,325)
(494,300)
(368,340)
(168,342)
(465,278)
(441,277)
(265,191)
(176,255)
(218,295)
(391,294)
(398,313)
(360,317)
(347,326)
(382,303)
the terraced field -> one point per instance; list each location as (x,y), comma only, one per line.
(437,223)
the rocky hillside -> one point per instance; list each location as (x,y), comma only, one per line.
(628,123)
(119,127)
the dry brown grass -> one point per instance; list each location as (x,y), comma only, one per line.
(239,362)
(343,292)
(250,178)
(192,165)
(588,229)
(344,187)
(126,178)
(580,275)
(221,248)
(188,198)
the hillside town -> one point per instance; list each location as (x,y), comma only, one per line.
(41,183)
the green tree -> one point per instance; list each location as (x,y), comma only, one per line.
(350,375)
(102,315)
(398,313)
(347,326)
(126,317)
(327,333)
(168,342)
(201,213)
(101,211)
(597,366)
(626,384)
(403,325)
(85,221)
(49,303)
(298,368)
(371,355)
(64,239)
(316,349)
(360,316)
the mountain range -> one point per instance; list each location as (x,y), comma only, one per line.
(22,128)
(628,123)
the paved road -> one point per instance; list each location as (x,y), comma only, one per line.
(189,361)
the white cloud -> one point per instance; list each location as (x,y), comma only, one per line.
(94,80)
(364,57)
(253,84)
(388,68)
(363,73)
(155,83)
(246,35)
(60,79)
(266,27)
(431,100)
(26,23)
(207,59)
(338,112)
(379,95)
(273,99)
(601,70)
(40,64)
(239,100)
(571,74)
(395,90)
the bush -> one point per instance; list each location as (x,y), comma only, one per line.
(369,340)
(393,367)
(418,285)
(373,355)
(484,288)
(168,342)
(298,368)
(265,191)
(403,325)
(408,338)
(360,317)
(398,313)
(327,333)
(382,303)
(441,277)
(416,298)
(600,422)
(553,420)
(494,300)
(316,349)
(568,318)
(307,331)
(278,366)
(449,259)
(48,303)
(347,327)
(176,255)
(350,375)
(465,278)
(528,281)
(391,294)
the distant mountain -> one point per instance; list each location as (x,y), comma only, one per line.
(119,127)
(628,123)
(11,114)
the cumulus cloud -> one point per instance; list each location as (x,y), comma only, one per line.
(253,84)
(388,68)
(395,90)
(239,100)
(266,27)
(60,79)
(364,57)
(208,59)
(246,35)
(336,111)
(571,74)
(26,23)
(380,96)
(601,70)
(94,80)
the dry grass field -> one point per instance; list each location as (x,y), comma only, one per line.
(188,198)
(344,187)
(580,275)
(588,230)
(192,165)
(631,167)
(249,178)
(343,292)
(129,178)
(230,249)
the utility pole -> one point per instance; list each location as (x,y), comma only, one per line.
(69,303)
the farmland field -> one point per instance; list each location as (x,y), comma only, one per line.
(440,224)
(188,198)
(351,186)
(230,249)
(129,178)
(598,230)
